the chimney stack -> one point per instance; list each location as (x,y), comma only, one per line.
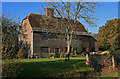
(49,12)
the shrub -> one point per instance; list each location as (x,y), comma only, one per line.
(49,56)
(10,68)
(80,49)
(61,55)
(40,54)
(72,54)
(56,55)
(21,53)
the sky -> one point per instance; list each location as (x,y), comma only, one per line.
(15,10)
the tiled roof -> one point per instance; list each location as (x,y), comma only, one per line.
(42,21)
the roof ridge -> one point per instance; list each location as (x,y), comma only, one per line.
(32,14)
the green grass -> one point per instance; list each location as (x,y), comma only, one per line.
(115,74)
(48,67)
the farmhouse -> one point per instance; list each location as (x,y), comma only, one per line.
(46,34)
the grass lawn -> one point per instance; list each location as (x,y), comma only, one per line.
(115,74)
(48,67)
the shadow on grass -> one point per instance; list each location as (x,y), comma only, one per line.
(52,68)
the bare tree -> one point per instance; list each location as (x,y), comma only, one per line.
(71,12)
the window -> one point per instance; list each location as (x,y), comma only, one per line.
(44,49)
(44,36)
(52,36)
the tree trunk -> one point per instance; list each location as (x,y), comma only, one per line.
(68,47)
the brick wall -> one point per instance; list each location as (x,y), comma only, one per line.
(53,43)
(27,30)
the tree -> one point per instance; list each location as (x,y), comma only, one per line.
(107,32)
(9,37)
(72,11)
(115,44)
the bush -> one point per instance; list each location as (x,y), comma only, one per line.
(57,55)
(40,54)
(74,55)
(61,55)
(21,53)
(10,68)
(115,44)
(49,56)
(80,49)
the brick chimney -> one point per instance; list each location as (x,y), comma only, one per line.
(49,12)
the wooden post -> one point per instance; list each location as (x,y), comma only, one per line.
(113,62)
(87,59)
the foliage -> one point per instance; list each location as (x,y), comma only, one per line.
(50,56)
(74,55)
(107,32)
(61,55)
(21,53)
(9,37)
(80,49)
(40,54)
(10,68)
(115,44)
(56,55)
